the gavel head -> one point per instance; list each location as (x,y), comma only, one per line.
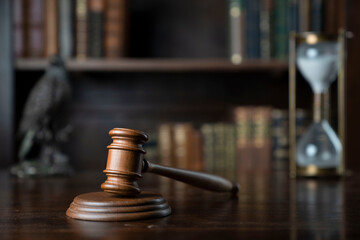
(125,162)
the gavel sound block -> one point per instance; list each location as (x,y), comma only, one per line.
(122,199)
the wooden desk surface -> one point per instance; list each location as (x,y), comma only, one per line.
(268,207)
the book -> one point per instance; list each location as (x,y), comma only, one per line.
(280,135)
(253,139)
(197,164)
(261,139)
(51,28)
(237,30)
(219,141)
(180,145)
(19,28)
(81,41)
(252,29)
(242,118)
(96,28)
(331,16)
(265,29)
(280,30)
(115,28)
(317,15)
(293,15)
(166,144)
(280,138)
(207,132)
(230,151)
(304,15)
(66,28)
(183,145)
(34,11)
(219,148)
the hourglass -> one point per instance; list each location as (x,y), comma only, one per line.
(320,60)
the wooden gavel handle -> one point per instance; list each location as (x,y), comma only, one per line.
(197,179)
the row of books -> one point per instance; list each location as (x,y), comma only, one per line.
(180,145)
(280,135)
(259,29)
(256,141)
(71,28)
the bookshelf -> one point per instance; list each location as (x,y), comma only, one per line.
(154,65)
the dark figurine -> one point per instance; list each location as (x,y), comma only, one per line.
(44,125)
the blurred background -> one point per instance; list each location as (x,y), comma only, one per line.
(206,79)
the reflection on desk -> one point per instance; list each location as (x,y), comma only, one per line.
(267,207)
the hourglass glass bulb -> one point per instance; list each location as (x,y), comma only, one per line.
(318,64)
(319,146)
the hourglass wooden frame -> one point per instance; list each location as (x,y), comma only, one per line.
(313,38)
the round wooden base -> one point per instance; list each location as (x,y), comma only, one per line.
(102,206)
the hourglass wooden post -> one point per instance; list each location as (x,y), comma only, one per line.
(122,198)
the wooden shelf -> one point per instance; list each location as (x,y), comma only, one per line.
(156,65)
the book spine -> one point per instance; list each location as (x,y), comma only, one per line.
(256,29)
(242,116)
(35,26)
(280,138)
(317,15)
(96,31)
(249,28)
(166,144)
(166,152)
(252,29)
(280,135)
(280,33)
(115,28)
(265,28)
(293,15)
(207,132)
(237,30)
(197,154)
(331,16)
(304,15)
(81,29)
(182,145)
(66,29)
(19,28)
(261,140)
(51,28)
(219,147)
(230,152)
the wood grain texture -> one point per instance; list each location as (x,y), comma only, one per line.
(102,206)
(268,207)
(156,65)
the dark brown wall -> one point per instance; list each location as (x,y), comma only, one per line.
(181,28)
(353,84)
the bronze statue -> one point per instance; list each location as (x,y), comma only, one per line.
(44,125)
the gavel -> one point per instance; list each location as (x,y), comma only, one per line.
(126,163)
(122,199)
